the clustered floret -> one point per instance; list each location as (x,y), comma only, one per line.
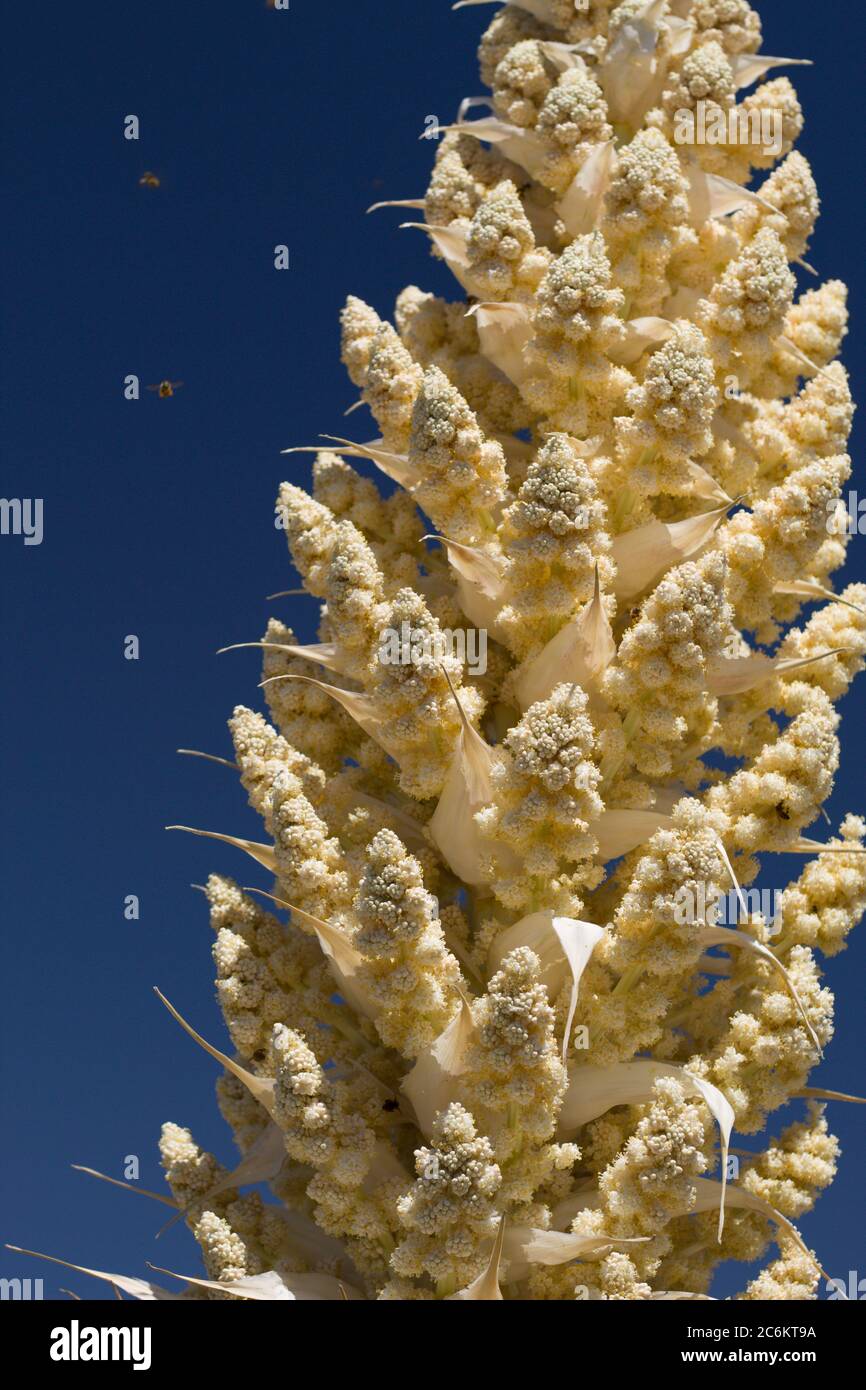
(493,1049)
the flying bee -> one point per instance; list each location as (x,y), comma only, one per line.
(164,389)
(148,180)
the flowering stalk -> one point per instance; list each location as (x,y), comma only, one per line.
(489,1055)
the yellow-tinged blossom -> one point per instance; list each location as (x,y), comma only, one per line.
(623,363)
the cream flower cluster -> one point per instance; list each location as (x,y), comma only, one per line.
(489,1039)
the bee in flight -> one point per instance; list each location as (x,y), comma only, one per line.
(164,389)
(148,180)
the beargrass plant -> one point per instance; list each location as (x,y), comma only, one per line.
(492,1033)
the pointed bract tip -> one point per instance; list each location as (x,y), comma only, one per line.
(269,680)
(208,757)
(463,716)
(397,203)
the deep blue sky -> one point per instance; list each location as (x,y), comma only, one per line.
(264,127)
